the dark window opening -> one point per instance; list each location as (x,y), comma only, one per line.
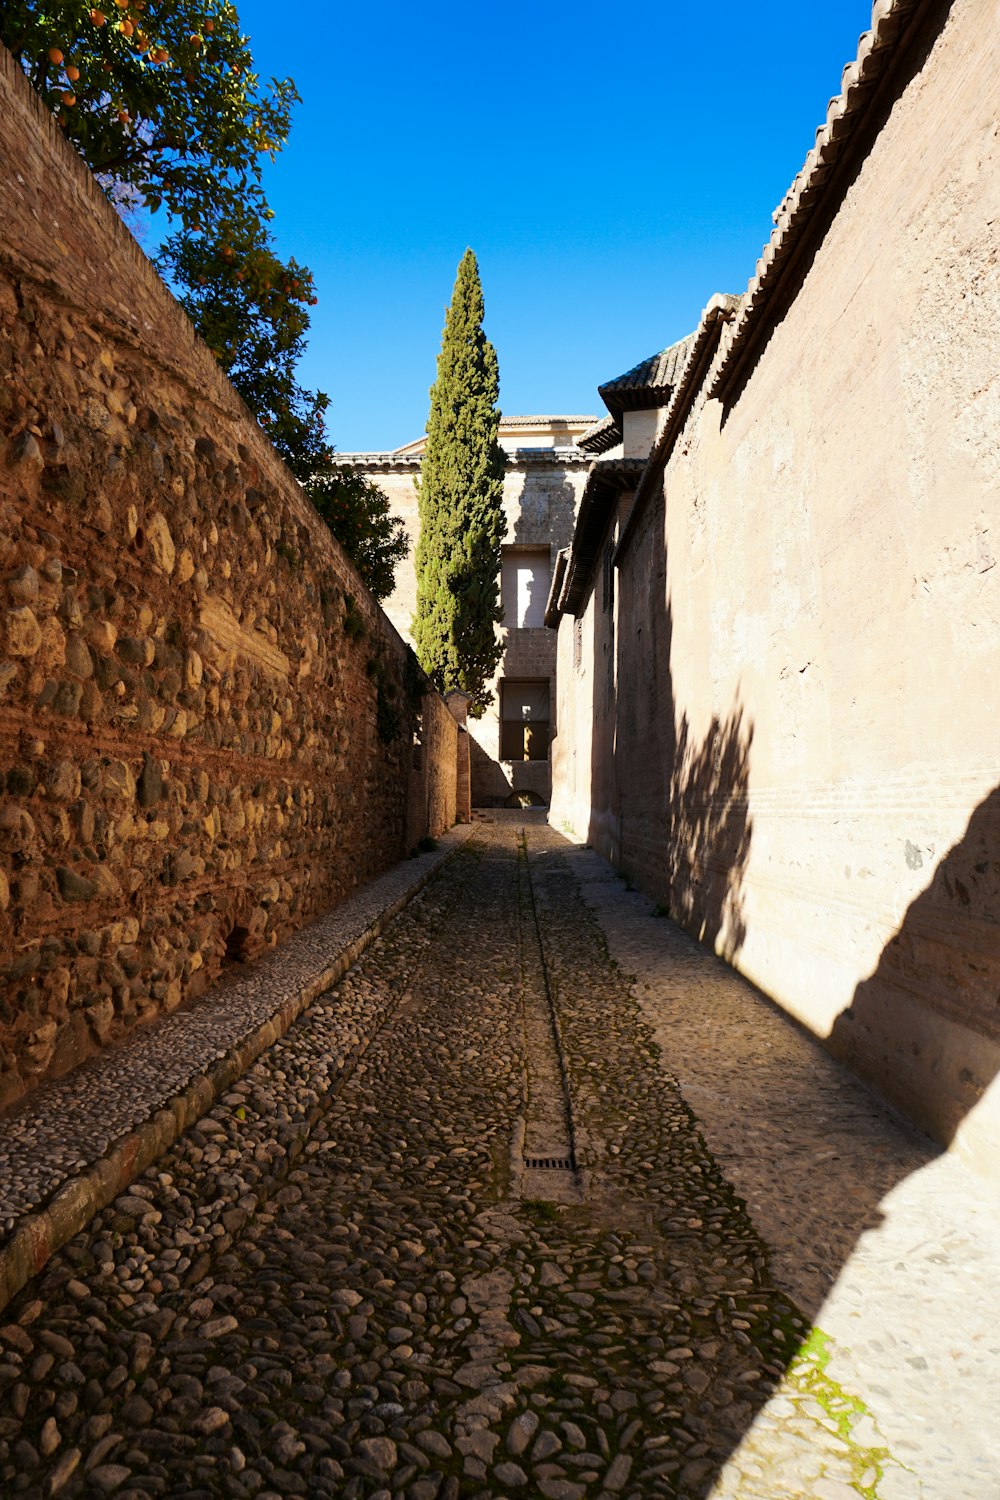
(524,720)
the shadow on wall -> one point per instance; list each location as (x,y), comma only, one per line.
(490,783)
(670,807)
(931,1008)
(924,1026)
(709,831)
(546,510)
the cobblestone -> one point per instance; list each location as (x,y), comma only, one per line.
(133,1098)
(888,1245)
(343,1280)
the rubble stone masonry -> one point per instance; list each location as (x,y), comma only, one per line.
(207,727)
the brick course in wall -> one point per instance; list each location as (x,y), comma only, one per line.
(206,723)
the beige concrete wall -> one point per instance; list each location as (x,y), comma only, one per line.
(540,503)
(401,491)
(639,432)
(808,644)
(586,750)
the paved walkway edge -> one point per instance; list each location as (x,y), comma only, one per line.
(38,1236)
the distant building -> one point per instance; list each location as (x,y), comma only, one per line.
(546,473)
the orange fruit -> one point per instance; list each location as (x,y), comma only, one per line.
(55,56)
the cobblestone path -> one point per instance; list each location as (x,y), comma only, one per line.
(350,1281)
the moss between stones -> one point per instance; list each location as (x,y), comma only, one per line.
(808,1375)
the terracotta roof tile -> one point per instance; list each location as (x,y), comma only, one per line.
(605,434)
(607,479)
(647,384)
(718,312)
(549,421)
(796,210)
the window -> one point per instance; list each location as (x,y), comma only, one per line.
(609,576)
(525,575)
(524,720)
(577,644)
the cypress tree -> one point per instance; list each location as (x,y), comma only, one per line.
(461,505)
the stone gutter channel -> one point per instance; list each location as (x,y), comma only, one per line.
(75,1144)
(544,1162)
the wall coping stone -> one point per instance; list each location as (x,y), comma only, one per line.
(717,314)
(893,25)
(101,1126)
(408,463)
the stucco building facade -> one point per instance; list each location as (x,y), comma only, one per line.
(779,633)
(546,471)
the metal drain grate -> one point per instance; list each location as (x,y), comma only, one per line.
(548,1163)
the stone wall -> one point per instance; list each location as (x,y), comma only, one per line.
(397,481)
(206,723)
(794,744)
(585,796)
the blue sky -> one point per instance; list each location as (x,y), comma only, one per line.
(611,168)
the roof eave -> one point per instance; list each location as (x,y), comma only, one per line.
(796,217)
(716,316)
(608,479)
(602,436)
(553,613)
(648,384)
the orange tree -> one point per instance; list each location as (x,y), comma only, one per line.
(251,309)
(160,95)
(357,512)
(161,99)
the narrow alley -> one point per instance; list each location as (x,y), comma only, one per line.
(539,1199)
